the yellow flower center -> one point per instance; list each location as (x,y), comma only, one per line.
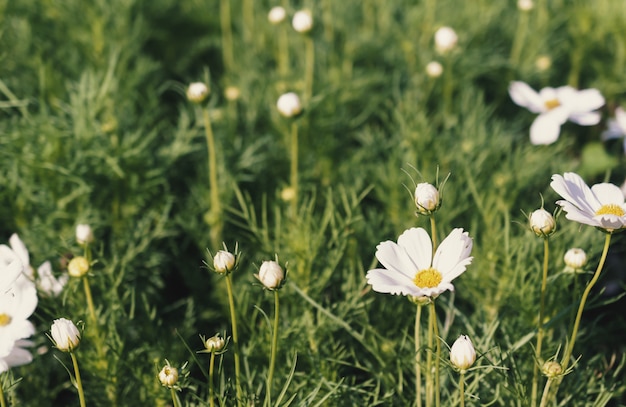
(610,209)
(552,103)
(427,278)
(5,319)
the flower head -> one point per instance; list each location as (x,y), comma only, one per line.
(427,198)
(277,15)
(601,206)
(462,353)
(65,335)
(168,376)
(197,92)
(289,105)
(271,275)
(302,21)
(214,344)
(84,234)
(224,261)
(555,106)
(542,222)
(445,39)
(78,266)
(410,268)
(575,259)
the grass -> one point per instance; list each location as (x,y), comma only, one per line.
(95,128)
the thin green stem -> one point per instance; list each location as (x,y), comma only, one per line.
(310,68)
(294,168)
(227,35)
(429,363)
(546,392)
(270,374)
(233,321)
(211,391)
(3,402)
(438,352)
(418,373)
(215,217)
(90,306)
(79,383)
(540,330)
(433,232)
(518,40)
(175,401)
(462,388)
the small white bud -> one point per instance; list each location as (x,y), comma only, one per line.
(445,39)
(214,343)
(552,369)
(78,266)
(462,353)
(302,21)
(277,15)
(84,234)
(575,258)
(65,335)
(288,105)
(232,93)
(197,92)
(525,5)
(426,198)
(271,275)
(434,69)
(168,376)
(542,222)
(543,63)
(223,261)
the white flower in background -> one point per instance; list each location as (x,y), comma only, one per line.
(10,267)
(462,353)
(575,259)
(434,69)
(289,105)
(616,128)
(543,63)
(302,21)
(426,198)
(15,356)
(555,106)
(223,261)
(277,15)
(168,376)
(232,93)
(542,222)
(197,92)
(65,335)
(47,283)
(601,206)
(410,268)
(445,39)
(84,234)
(271,275)
(17,304)
(525,5)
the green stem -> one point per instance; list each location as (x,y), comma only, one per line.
(227,35)
(310,68)
(79,383)
(429,363)
(175,401)
(3,402)
(418,373)
(462,388)
(540,330)
(233,318)
(518,40)
(270,374)
(294,168)
(90,306)
(570,346)
(215,218)
(211,391)
(433,232)
(546,392)
(438,352)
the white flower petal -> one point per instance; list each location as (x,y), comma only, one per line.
(453,249)
(582,101)
(608,194)
(389,282)
(525,96)
(418,246)
(574,214)
(574,189)
(585,118)
(608,221)
(395,258)
(20,249)
(10,267)
(545,129)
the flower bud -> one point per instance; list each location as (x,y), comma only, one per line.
(197,92)
(271,275)
(552,369)
(168,376)
(525,5)
(78,266)
(575,258)
(434,69)
(223,261)
(232,93)
(426,198)
(65,335)
(445,40)
(84,234)
(462,353)
(542,222)
(543,63)
(277,15)
(289,105)
(302,21)
(214,343)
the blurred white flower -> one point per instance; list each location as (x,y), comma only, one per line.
(22,252)
(434,69)
(84,234)
(232,93)
(288,105)
(542,222)
(462,353)
(15,355)
(271,275)
(47,283)
(10,267)
(168,376)
(78,266)
(426,198)
(445,39)
(65,335)
(197,92)
(601,206)
(277,15)
(525,5)
(555,106)
(543,63)
(223,261)
(575,258)
(410,268)
(616,128)
(302,21)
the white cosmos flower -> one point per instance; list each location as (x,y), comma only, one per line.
(15,356)
(616,128)
(16,305)
(601,206)
(556,106)
(411,269)
(47,283)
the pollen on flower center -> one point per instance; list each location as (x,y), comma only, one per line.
(427,278)
(552,103)
(5,319)
(610,209)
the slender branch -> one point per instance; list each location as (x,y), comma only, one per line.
(233,320)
